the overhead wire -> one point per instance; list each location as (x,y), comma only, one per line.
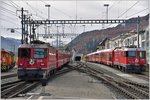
(14,4)
(10,11)
(58,10)
(35,9)
(138,12)
(6,20)
(129,9)
(8,4)
(12,18)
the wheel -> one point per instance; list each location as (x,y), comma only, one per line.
(44,82)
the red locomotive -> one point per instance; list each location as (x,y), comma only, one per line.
(126,59)
(39,60)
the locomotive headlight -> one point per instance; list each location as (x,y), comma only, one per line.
(42,64)
(21,64)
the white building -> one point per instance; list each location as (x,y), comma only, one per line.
(129,39)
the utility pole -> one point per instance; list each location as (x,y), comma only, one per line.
(138,24)
(23,18)
(22,25)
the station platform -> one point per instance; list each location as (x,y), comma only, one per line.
(72,85)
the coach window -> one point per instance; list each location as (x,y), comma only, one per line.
(131,53)
(141,54)
(96,55)
(40,53)
(110,56)
(24,52)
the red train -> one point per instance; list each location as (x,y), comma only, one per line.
(38,61)
(7,60)
(125,59)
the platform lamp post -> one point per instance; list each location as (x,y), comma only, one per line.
(48,15)
(106,5)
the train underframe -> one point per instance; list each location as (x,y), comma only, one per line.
(34,74)
(132,68)
(6,67)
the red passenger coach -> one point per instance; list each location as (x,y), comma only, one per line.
(37,61)
(106,56)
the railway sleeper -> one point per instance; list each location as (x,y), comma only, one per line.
(9,90)
(132,88)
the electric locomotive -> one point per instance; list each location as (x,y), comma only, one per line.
(39,60)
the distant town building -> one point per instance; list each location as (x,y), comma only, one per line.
(101,45)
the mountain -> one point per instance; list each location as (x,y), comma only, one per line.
(87,42)
(10,44)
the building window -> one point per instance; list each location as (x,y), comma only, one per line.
(147,35)
(135,39)
(143,36)
(143,44)
(147,44)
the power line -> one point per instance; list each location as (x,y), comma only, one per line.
(113,4)
(8,4)
(35,9)
(14,4)
(14,13)
(128,9)
(8,16)
(59,10)
(138,12)
(6,20)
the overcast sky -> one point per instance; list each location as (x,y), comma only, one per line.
(68,10)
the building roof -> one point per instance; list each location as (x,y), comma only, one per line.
(102,43)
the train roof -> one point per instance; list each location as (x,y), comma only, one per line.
(35,46)
(131,49)
(93,53)
(4,51)
(105,50)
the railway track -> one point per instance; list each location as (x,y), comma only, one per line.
(141,76)
(13,89)
(130,89)
(8,76)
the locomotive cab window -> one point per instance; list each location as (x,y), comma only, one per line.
(141,54)
(24,52)
(130,53)
(40,53)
